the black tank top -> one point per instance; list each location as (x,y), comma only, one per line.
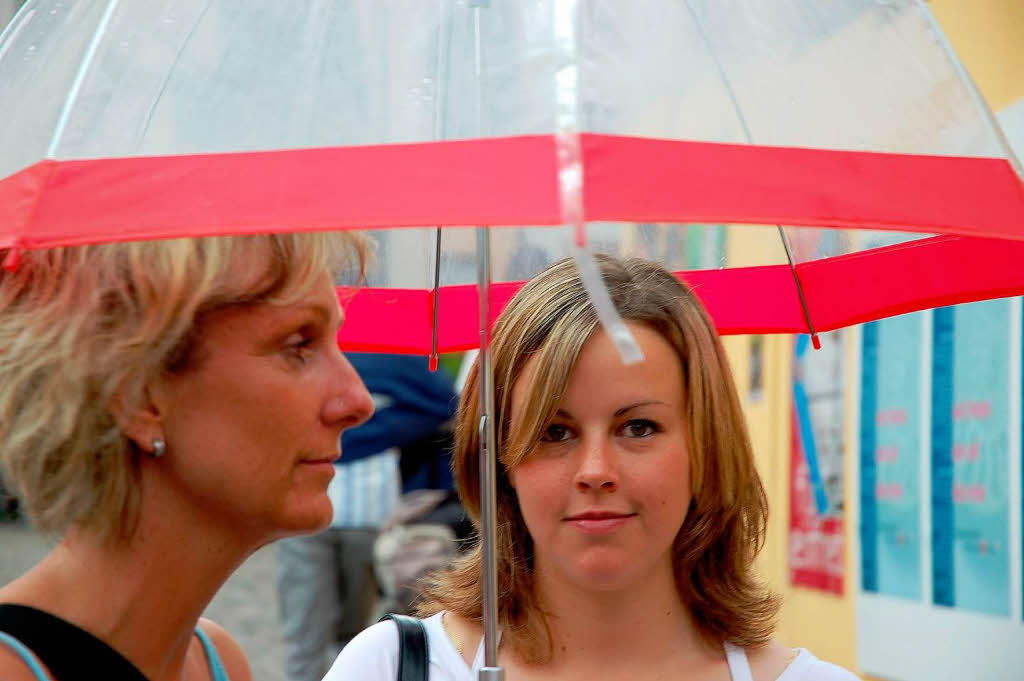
(70,653)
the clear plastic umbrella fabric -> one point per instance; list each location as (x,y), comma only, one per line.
(716,136)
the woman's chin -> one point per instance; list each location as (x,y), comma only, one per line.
(313,516)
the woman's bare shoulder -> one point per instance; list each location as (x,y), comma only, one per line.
(231,654)
(13,668)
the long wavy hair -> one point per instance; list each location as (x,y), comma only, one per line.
(551,318)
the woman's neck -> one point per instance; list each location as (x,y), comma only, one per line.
(600,633)
(142,596)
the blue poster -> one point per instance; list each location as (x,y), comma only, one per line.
(978,458)
(894,484)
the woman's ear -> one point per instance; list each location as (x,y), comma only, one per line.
(139,418)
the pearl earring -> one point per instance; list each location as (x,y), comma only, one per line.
(159,448)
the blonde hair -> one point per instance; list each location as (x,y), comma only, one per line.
(551,318)
(80,325)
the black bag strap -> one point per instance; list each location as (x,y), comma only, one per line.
(413,654)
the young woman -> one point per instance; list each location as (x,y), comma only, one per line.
(629,508)
(167,408)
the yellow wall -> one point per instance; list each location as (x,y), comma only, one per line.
(988,36)
(823,623)
(804,610)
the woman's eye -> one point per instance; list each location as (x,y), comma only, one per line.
(302,348)
(640,428)
(555,433)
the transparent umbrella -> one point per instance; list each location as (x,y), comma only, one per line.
(804,164)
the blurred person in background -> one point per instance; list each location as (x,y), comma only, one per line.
(327,588)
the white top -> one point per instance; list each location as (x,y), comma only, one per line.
(373,656)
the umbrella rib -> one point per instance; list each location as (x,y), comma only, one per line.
(76,86)
(437,299)
(721,74)
(750,140)
(18,22)
(441,75)
(167,75)
(799,290)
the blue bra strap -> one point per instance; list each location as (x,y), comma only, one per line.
(26,655)
(217,672)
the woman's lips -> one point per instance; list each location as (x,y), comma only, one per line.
(325,464)
(599,523)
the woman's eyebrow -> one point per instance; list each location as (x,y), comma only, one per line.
(323,314)
(637,405)
(562,413)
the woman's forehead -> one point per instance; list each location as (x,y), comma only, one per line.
(599,378)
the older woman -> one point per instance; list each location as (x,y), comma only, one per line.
(629,508)
(167,408)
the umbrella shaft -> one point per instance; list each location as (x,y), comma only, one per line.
(488,456)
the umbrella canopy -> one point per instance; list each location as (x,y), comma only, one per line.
(643,126)
(661,125)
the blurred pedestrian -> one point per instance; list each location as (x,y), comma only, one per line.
(326,583)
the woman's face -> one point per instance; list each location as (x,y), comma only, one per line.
(607,489)
(252,426)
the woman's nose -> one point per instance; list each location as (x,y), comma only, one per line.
(350,403)
(597,469)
